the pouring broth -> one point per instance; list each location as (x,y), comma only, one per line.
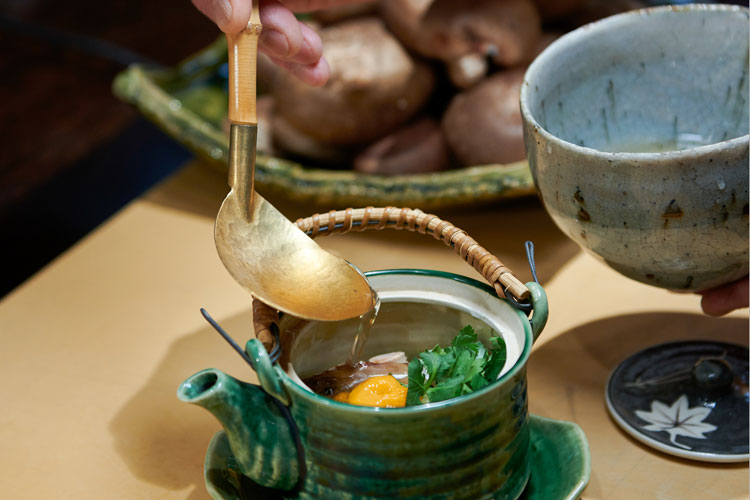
(320,350)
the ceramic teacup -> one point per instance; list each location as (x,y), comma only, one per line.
(636,130)
(284,436)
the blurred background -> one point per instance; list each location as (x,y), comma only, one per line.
(72,153)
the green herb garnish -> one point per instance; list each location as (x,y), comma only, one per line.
(463,367)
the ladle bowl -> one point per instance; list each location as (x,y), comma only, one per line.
(262,249)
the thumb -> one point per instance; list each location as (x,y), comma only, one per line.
(231,16)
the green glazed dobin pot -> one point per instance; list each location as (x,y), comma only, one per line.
(472,447)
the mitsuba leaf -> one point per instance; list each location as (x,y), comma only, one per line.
(463,364)
(447,389)
(417,382)
(466,365)
(477,382)
(430,365)
(466,339)
(476,368)
(497,359)
(447,362)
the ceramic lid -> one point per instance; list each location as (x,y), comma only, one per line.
(688,399)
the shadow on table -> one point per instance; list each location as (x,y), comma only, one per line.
(501,228)
(196,188)
(162,440)
(568,374)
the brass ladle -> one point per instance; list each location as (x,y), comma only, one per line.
(262,249)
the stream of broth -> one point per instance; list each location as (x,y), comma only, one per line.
(363,330)
(437,324)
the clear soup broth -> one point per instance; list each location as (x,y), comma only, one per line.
(680,142)
(401,325)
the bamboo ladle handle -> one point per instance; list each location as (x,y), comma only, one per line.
(242,49)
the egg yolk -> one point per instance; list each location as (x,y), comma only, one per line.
(342,396)
(383,391)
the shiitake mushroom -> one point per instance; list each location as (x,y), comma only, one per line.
(542,43)
(465,34)
(467,70)
(483,124)
(296,144)
(264,109)
(414,149)
(404,19)
(340,13)
(506,30)
(277,137)
(375,86)
(553,10)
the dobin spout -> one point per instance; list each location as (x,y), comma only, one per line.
(259,435)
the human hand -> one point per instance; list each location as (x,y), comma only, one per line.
(725,298)
(288,42)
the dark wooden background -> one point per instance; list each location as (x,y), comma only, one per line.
(71,154)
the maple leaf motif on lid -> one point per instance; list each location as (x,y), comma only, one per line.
(677,420)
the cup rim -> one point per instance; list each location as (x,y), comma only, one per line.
(604,24)
(291,385)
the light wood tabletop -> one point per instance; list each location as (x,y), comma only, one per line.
(95,345)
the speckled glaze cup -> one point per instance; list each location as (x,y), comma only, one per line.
(472,447)
(636,130)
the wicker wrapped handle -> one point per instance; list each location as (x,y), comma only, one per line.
(360,219)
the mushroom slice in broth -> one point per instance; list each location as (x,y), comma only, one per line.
(344,377)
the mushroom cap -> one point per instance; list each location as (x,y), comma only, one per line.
(413,149)
(483,124)
(552,10)
(295,144)
(506,30)
(375,85)
(338,13)
(404,20)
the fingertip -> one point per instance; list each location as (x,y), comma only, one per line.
(231,16)
(315,75)
(240,11)
(280,20)
(312,45)
(218,12)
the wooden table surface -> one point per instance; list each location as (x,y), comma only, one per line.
(95,345)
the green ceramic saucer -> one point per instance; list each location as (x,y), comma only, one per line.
(560,465)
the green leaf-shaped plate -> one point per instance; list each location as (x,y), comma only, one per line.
(560,466)
(188,102)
